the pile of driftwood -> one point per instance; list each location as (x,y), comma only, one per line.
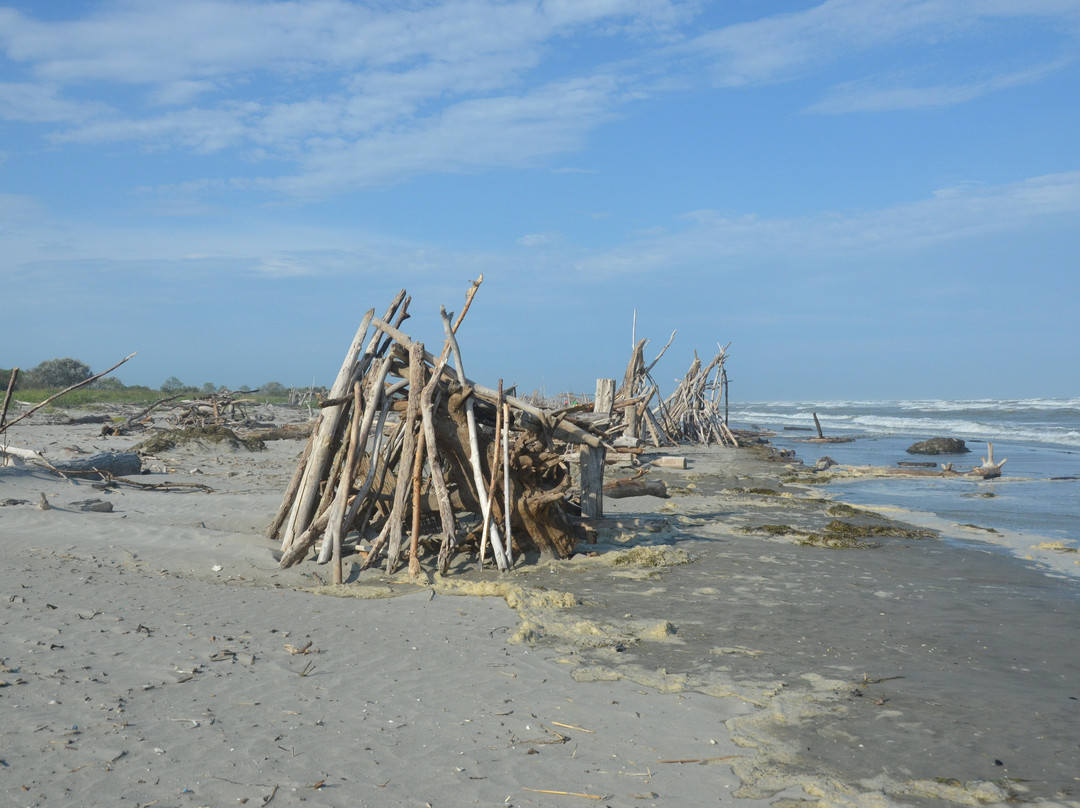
(180,411)
(690,415)
(405,440)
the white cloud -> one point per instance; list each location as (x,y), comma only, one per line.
(347,95)
(540,239)
(872,96)
(41,103)
(784,46)
(948,214)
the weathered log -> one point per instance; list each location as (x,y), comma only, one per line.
(408,451)
(117,464)
(989,470)
(323,439)
(636,487)
(592,482)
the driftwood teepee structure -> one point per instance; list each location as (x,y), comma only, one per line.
(403,438)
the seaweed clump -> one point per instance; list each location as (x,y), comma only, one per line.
(843,509)
(663,556)
(840,535)
(773,530)
(171,438)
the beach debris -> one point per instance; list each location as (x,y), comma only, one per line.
(43,503)
(101,464)
(407,446)
(404,440)
(989,469)
(669,462)
(822,437)
(692,413)
(635,487)
(93,505)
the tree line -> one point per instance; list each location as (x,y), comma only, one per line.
(57,374)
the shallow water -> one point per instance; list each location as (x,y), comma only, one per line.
(1035,502)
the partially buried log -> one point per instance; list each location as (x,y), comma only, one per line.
(116,464)
(636,487)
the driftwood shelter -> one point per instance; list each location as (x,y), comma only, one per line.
(406,441)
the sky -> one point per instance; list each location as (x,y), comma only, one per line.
(859,199)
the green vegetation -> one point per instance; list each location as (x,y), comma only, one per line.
(39,383)
(90,396)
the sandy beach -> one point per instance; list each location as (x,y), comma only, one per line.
(696,655)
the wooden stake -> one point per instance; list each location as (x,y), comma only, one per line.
(506,484)
(495,460)
(414,539)
(474,447)
(345,484)
(408,450)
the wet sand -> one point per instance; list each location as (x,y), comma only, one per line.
(156,654)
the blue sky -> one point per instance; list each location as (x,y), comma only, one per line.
(866,198)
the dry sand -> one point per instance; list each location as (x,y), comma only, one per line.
(155,655)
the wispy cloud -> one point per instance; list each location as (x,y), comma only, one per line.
(880,94)
(330,96)
(785,46)
(705,238)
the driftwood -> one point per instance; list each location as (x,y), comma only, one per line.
(693,414)
(116,464)
(989,470)
(454,446)
(635,487)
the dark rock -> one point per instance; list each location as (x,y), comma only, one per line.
(824,463)
(939,446)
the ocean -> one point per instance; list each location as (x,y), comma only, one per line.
(1031,512)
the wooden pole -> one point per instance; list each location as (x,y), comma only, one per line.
(495,460)
(345,484)
(323,441)
(507,499)
(474,446)
(604,403)
(414,538)
(408,451)
(592,481)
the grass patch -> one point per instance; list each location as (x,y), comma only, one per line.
(84,397)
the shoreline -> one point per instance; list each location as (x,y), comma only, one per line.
(763,644)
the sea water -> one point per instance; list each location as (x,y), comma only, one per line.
(1032,511)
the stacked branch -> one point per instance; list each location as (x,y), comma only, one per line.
(405,441)
(696,411)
